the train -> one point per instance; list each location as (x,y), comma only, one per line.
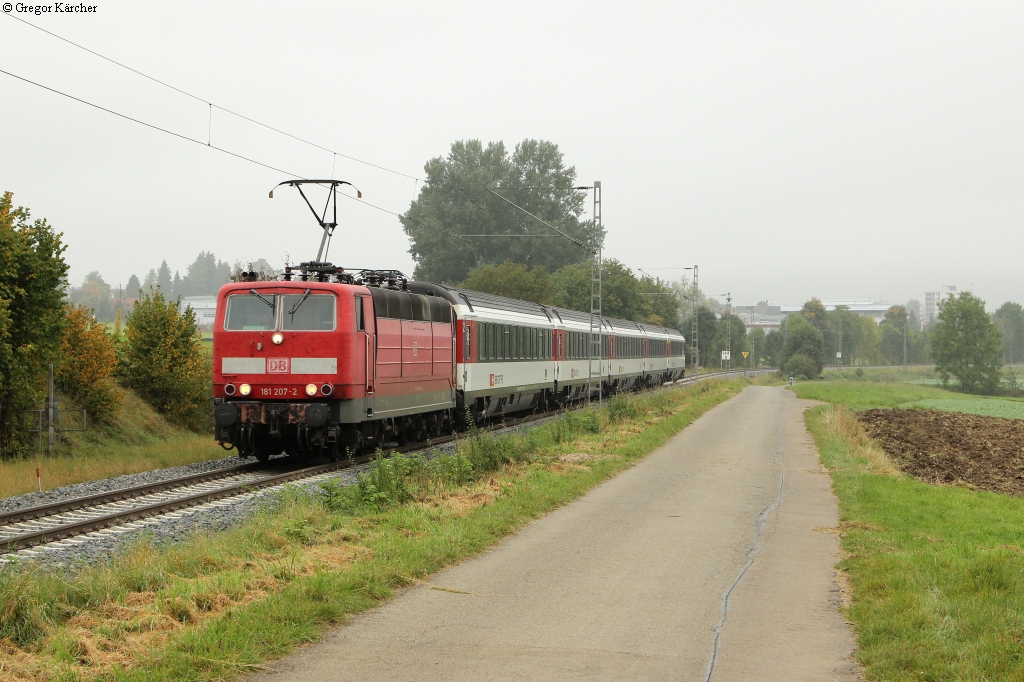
(323,362)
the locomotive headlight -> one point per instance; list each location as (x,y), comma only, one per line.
(277,338)
(310,389)
(245,389)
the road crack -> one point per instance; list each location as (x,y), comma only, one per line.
(760,523)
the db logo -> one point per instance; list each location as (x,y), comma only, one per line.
(277,365)
(497,379)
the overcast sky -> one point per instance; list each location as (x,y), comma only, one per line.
(790,149)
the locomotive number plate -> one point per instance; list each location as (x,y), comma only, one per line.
(278,392)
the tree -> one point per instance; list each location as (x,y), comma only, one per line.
(803,352)
(459,199)
(757,345)
(966,344)
(512,280)
(892,329)
(33,278)
(1010,320)
(732,330)
(664,302)
(133,288)
(149,283)
(205,276)
(87,362)
(815,313)
(95,294)
(623,295)
(707,333)
(914,312)
(773,348)
(162,360)
(163,278)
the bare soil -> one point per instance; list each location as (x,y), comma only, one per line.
(952,448)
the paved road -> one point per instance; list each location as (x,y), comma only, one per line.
(628,583)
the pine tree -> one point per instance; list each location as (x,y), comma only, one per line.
(163,278)
(133,288)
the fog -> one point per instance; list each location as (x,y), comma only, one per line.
(797,149)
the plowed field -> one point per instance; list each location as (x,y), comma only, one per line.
(952,448)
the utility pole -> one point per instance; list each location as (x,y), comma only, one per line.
(696,312)
(51,412)
(905,325)
(840,342)
(728,329)
(596,322)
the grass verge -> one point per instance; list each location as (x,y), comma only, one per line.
(219,605)
(937,572)
(137,439)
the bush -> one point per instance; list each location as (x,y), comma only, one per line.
(802,366)
(88,360)
(575,424)
(162,360)
(622,408)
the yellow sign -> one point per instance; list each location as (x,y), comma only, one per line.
(745,354)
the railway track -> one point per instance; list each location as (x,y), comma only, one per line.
(135,507)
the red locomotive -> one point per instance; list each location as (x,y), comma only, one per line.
(322,361)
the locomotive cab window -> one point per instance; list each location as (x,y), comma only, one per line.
(360,320)
(248,312)
(308,312)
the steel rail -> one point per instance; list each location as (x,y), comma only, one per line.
(43,510)
(121,518)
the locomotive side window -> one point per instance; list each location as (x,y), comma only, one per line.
(246,312)
(360,320)
(304,312)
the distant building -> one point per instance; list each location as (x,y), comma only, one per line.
(763,315)
(932,299)
(865,308)
(205,308)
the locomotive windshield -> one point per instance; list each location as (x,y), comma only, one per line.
(299,312)
(246,312)
(307,313)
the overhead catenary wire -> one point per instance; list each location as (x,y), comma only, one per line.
(575,241)
(210,104)
(209,146)
(148,125)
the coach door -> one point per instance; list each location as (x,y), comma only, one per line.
(364,324)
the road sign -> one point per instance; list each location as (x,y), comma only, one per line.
(745,354)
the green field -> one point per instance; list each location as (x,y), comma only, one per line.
(987,407)
(937,572)
(865,395)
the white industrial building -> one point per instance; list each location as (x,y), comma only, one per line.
(205,308)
